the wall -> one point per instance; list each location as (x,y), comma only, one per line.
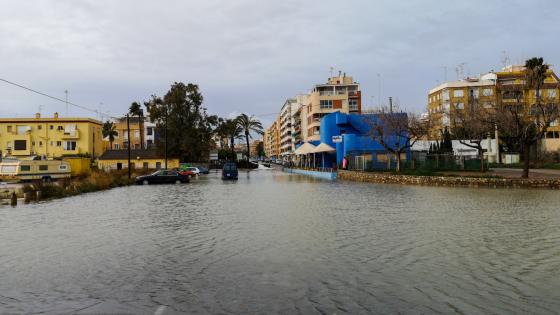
(387,178)
(138,164)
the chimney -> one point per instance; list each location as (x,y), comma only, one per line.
(37,115)
(55,115)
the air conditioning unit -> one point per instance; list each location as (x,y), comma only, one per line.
(28,128)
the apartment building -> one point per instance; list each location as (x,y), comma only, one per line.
(340,93)
(271,140)
(50,137)
(137,127)
(492,89)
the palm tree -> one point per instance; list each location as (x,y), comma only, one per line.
(136,110)
(249,124)
(109,131)
(232,130)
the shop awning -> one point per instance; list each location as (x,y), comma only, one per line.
(305,148)
(323,148)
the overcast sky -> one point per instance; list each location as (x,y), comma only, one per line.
(250,55)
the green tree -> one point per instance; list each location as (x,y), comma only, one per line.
(260,149)
(248,125)
(232,130)
(109,131)
(523,125)
(183,121)
(136,110)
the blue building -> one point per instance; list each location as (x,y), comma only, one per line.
(352,139)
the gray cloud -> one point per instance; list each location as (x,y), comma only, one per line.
(249,55)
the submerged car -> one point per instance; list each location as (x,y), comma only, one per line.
(230,171)
(203,170)
(163,177)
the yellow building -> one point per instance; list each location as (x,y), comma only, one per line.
(340,93)
(51,137)
(139,159)
(271,140)
(489,90)
(136,130)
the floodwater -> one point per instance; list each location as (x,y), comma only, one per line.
(281,243)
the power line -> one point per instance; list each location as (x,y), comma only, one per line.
(55,98)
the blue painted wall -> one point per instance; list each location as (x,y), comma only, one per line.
(354,130)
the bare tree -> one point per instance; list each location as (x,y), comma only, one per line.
(471,126)
(397,131)
(523,125)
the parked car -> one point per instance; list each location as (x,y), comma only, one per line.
(185,172)
(203,170)
(193,169)
(163,177)
(230,171)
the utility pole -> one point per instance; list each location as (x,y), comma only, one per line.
(166,115)
(390,104)
(128,143)
(66,92)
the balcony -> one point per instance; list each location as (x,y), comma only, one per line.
(75,134)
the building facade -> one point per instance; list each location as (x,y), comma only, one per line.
(489,90)
(339,94)
(50,137)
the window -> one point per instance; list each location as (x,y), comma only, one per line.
(69,145)
(158,165)
(381,157)
(62,167)
(150,131)
(51,127)
(487,92)
(25,168)
(136,134)
(145,165)
(9,128)
(487,105)
(458,93)
(445,95)
(60,128)
(323,104)
(40,144)
(460,106)
(474,93)
(552,93)
(52,143)
(43,167)
(20,144)
(353,104)
(116,146)
(59,143)
(21,130)
(39,127)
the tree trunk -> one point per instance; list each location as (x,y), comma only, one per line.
(481,156)
(248,148)
(398,162)
(232,140)
(526,154)
(111,144)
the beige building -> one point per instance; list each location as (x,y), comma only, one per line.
(51,137)
(340,93)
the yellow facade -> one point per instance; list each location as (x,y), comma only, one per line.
(489,90)
(51,137)
(136,163)
(121,140)
(78,165)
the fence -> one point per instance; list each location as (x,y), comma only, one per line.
(417,162)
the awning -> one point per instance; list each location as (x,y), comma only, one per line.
(305,148)
(323,148)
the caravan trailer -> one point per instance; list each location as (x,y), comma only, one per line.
(26,170)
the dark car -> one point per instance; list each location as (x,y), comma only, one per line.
(163,177)
(229,171)
(203,170)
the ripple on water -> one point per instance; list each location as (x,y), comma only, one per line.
(278,243)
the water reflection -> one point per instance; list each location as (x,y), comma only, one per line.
(277,243)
